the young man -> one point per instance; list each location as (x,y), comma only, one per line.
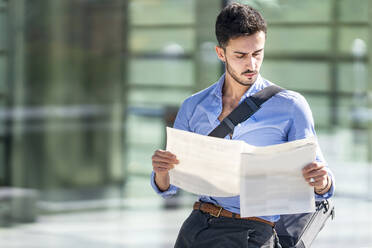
(241,35)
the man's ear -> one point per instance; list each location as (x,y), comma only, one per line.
(221,53)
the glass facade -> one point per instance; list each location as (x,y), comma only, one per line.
(65,107)
(3,88)
(88,86)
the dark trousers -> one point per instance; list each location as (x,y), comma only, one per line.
(201,230)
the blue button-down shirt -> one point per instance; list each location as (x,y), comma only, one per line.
(284,117)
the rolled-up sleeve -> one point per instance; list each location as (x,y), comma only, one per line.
(303,127)
(330,191)
(181,122)
(172,190)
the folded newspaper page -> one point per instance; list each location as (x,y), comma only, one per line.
(208,165)
(268,179)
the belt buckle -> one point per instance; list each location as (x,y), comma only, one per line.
(218,214)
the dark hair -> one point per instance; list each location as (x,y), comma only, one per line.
(237,20)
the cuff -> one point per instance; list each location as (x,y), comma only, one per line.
(172,190)
(330,192)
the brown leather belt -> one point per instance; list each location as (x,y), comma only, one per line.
(217,211)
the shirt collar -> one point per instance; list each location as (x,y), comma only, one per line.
(256,87)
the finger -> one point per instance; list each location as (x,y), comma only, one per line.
(163,165)
(317,173)
(164,154)
(317,181)
(311,167)
(164,160)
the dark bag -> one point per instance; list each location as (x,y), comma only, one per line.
(300,230)
(294,230)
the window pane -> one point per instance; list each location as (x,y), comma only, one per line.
(297,75)
(292,10)
(2,127)
(3,31)
(176,41)
(162,72)
(162,12)
(145,135)
(158,97)
(352,77)
(346,110)
(353,10)
(3,109)
(349,34)
(139,158)
(2,164)
(304,39)
(320,108)
(145,130)
(3,71)
(209,72)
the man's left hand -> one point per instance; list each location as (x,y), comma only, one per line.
(317,176)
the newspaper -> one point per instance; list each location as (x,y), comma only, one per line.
(268,179)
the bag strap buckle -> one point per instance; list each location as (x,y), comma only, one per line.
(218,214)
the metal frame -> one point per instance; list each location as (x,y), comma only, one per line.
(369,99)
(7,139)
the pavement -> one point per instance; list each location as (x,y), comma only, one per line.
(139,219)
(140,223)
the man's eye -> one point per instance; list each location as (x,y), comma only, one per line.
(240,57)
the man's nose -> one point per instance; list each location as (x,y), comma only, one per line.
(251,63)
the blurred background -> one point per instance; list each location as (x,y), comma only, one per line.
(88,86)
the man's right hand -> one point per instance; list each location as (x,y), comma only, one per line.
(162,162)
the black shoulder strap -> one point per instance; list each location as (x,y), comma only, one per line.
(245,110)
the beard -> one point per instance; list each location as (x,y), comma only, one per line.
(238,79)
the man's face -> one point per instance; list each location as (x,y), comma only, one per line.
(243,57)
